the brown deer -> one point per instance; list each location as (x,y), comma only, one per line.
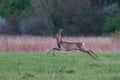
(69,46)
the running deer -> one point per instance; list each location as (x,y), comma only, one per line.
(69,46)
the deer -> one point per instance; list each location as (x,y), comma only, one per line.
(70,46)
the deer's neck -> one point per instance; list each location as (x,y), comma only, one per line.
(59,42)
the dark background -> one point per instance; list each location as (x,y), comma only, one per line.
(45,17)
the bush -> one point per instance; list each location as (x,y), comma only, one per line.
(116,36)
(11,26)
(35,26)
(2,21)
(112,19)
(112,24)
(9,7)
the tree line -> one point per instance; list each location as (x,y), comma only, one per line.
(45,17)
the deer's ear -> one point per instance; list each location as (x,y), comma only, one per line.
(60,30)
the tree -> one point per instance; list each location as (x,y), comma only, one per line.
(112,24)
(118,1)
(13,11)
(9,7)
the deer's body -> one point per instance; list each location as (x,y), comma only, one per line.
(69,46)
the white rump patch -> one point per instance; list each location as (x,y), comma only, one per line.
(83,43)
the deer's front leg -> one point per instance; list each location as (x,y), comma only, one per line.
(53,49)
(50,51)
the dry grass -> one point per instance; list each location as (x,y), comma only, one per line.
(40,44)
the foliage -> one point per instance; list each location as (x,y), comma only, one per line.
(77,18)
(118,1)
(11,25)
(9,7)
(40,22)
(116,36)
(13,11)
(112,19)
(35,26)
(112,24)
(45,17)
(64,66)
(2,21)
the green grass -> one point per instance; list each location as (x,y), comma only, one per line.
(63,66)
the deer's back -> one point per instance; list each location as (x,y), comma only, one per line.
(71,45)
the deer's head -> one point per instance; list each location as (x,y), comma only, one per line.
(58,36)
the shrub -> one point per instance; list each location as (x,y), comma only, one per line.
(35,26)
(9,7)
(112,24)
(11,25)
(116,36)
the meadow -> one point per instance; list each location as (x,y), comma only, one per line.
(63,66)
(43,44)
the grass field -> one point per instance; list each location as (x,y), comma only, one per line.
(63,66)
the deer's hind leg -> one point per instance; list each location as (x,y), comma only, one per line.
(85,50)
(93,53)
